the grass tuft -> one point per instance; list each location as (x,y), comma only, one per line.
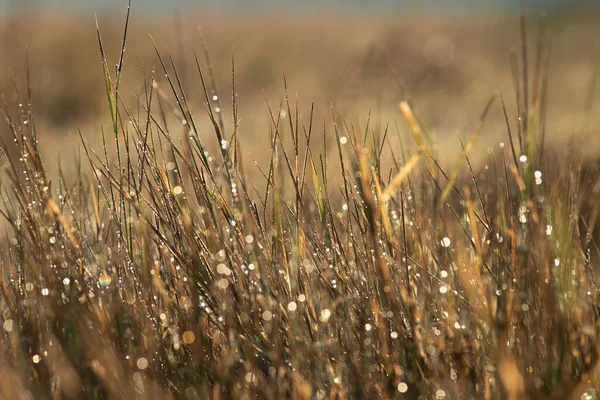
(163,271)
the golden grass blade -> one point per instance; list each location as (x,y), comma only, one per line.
(414,126)
(55,213)
(511,378)
(401,176)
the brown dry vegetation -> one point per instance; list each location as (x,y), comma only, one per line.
(342,250)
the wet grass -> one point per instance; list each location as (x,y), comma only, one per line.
(160,270)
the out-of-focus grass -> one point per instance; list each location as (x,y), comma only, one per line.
(345,261)
(450,63)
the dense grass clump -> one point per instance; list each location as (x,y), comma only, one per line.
(162,271)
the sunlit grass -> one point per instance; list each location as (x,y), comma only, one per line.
(163,271)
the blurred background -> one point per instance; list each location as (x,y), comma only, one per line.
(449,55)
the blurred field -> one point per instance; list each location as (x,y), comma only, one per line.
(449,64)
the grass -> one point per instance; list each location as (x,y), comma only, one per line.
(161,270)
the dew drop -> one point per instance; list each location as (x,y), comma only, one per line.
(222,269)
(250,377)
(402,387)
(8,325)
(188,337)
(104,280)
(223,283)
(142,363)
(267,315)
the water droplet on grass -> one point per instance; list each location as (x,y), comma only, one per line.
(325,314)
(250,377)
(402,387)
(8,325)
(142,363)
(267,315)
(104,280)
(188,337)
(222,269)
(223,283)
